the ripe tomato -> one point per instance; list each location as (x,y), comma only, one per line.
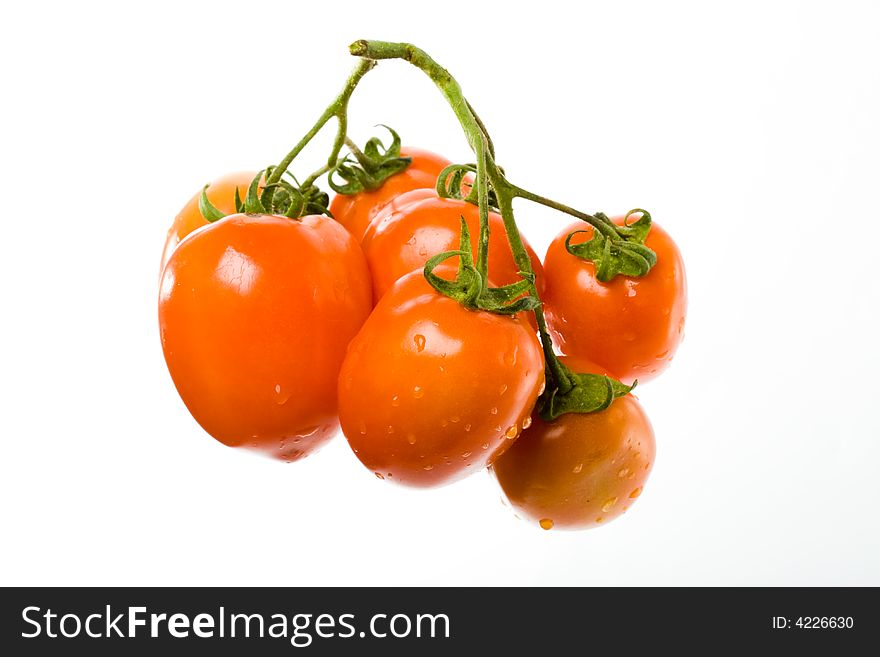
(631,326)
(420,224)
(221,192)
(581,470)
(255,314)
(422,400)
(356,211)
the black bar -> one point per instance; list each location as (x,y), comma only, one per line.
(521,620)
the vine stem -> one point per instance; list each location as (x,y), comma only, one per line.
(338,109)
(487,171)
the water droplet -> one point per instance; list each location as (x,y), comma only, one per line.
(511,432)
(411,439)
(429,467)
(362,428)
(378,475)
(423,251)
(510,357)
(485,446)
(467,427)
(546,523)
(493,410)
(609,504)
(622,472)
(395,400)
(600,520)
(389,475)
(527,422)
(503,389)
(390,429)
(418,393)
(577,469)
(636,492)
(419,339)
(465,455)
(454,419)
(629,336)
(281,396)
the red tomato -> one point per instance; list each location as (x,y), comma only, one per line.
(422,400)
(221,192)
(631,326)
(255,314)
(420,224)
(356,211)
(582,469)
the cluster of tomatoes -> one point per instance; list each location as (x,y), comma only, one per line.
(277,331)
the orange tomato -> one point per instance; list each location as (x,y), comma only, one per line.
(582,469)
(422,400)
(255,314)
(420,224)
(356,211)
(630,326)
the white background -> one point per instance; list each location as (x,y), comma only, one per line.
(751,133)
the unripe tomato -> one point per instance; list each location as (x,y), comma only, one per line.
(255,314)
(221,193)
(356,211)
(630,326)
(431,391)
(582,469)
(420,224)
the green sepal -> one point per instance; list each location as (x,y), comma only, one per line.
(450,184)
(239,204)
(369,169)
(589,393)
(252,202)
(208,210)
(627,255)
(468,289)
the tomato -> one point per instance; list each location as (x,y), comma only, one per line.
(581,470)
(221,192)
(255,314)
(420,224)
(631,326)
(431,391)
(356,211)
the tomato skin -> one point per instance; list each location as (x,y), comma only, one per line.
(356,211)
(631,326)
(422,400)
(255,314)
(583,469)
(221,192)
(420,224)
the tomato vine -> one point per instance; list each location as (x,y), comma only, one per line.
(616,250)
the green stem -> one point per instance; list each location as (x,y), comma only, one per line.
(606,228)
(362,159)
(308,182)
(479,141)
(339,109)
